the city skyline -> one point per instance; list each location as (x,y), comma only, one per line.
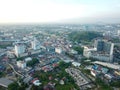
(59,11)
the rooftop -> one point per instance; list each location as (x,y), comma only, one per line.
(5,82)
(113,66)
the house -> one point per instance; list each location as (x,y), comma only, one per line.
(36,82)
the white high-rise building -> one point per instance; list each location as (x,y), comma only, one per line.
(19,49)
(118,33)
(35,44)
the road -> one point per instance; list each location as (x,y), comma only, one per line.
(15,70)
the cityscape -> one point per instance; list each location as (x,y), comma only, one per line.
(35,58)
(60,45)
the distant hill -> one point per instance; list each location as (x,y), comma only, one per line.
(84,36)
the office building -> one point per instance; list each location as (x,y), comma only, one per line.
(118,33)
(35,44)
(104,46)
(103,51)
(19,49)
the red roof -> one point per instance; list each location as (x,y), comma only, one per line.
(34,80)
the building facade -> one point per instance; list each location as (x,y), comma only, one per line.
(19,49)
(35,44)
(103,51)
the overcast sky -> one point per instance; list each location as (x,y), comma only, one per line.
(30,11)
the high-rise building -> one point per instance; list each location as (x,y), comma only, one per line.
(118,33)
(104,46)
(116,54)
(99,45)
(35,44)
(19,49)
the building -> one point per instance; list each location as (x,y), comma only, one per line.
(35,44)
(10,54)
(50,49)
(104,46)
(73,52)
(118,33)
(88,51)
(58,50)
(76,64)
(19,49)
(5,82)
(62,82)
(116,54)
(28,59)
(36,82)
(99,44)
(103,51)
(101,56)
(2,68)
(109,65)
(21,64)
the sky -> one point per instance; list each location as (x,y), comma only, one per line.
(49,11)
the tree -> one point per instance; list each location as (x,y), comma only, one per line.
(79,49)
(33,62)
(115,83)
(64,65)
(37,87)
(20,58)
(102,84)
(13,86)
(77,36)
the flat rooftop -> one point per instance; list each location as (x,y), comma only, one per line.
(5,82)
(106,64)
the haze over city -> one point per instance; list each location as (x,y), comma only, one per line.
(59,11)
(59,45)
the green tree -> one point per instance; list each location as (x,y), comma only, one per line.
(80,36)
(79,49)
(33,62)
(20,58)
(13,86)
(115,84)
(37,87)
(102,84)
